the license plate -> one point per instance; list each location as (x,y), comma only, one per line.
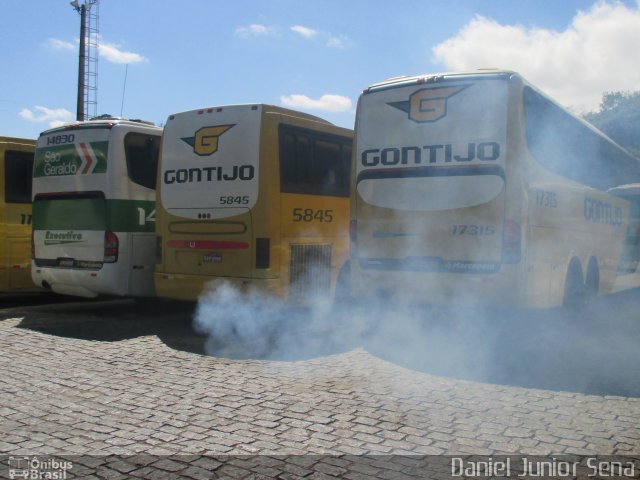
(212,258)
(66,262)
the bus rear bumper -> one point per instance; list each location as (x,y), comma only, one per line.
(194,287)
(82,283)
(435,288)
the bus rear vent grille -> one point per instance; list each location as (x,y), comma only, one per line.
(310,272)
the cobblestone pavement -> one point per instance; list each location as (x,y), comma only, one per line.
(65,390)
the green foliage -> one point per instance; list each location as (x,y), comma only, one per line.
(619,118)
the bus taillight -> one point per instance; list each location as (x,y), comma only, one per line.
(33,246)
(262,253)
(353,237)
(110,247)
(158,249)
(511,242)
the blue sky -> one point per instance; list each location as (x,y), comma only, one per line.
(311,55)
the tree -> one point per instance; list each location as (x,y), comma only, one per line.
(619,118)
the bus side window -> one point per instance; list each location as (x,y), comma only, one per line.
(314,163)
(327,162)
(567,147)
(18,169)
(142,151)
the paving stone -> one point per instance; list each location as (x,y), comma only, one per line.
(139,395)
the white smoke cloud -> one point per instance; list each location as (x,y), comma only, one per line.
(328,102)
(55,117)
(238,322)
(547,349)
(575,66)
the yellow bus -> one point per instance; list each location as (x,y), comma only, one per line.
(16,164)
(253,196)
(478,188)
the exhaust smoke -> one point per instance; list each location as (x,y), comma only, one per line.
(548,349)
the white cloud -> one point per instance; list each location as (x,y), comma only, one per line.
(304,31)
(328,102)
(329,39)
(339,41)
(255,30)
(55,116)
(596,53)
(113,54)
(58,44)
(109,51)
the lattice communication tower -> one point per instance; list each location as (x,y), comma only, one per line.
(88,59)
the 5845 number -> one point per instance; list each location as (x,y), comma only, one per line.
(311,215)
(237,200)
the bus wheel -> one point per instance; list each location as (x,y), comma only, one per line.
(592,284)
(343,286)
(574,287)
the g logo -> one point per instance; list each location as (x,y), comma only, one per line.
(205,141)
(428,104)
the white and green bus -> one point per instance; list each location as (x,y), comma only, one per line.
(94,208)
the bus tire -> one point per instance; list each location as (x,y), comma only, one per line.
(592,283)
(574,287)
(343,286)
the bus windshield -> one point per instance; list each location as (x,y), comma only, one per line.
(450,155)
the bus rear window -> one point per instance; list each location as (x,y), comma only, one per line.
(314,163)
(68,211)
(428,189)
(18,168)
(142,151)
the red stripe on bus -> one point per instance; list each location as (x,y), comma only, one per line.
(87,156)
(207,245)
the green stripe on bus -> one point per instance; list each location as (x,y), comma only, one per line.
(72,159)
(69,214)
(131,215)
(95,214)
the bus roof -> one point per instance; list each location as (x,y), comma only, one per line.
(104,121)
(403,81)
(628,190)
(265,107)
(27,141)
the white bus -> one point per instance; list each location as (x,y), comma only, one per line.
(94,208)
(476,187)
